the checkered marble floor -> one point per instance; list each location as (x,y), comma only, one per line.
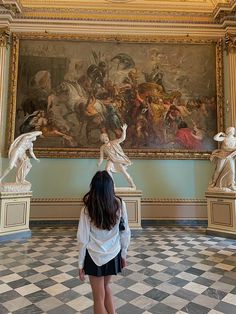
(171,270)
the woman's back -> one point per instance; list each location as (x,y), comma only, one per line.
(103,244)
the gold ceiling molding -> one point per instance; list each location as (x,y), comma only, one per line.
(106,15)
(226,13)
(227,6)
(12,6)
(119,1)
(156,5)
(186,12)
(168,11)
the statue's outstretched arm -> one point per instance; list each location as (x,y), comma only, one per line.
(123,136)
(219,137)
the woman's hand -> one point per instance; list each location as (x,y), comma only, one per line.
(123,262)
(81,275)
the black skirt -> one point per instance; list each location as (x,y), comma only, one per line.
(113,267)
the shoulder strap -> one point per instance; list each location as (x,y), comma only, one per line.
(121,208)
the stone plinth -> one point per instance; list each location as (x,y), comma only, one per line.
(14,215)
(14,187)
(221,209)
(132,199)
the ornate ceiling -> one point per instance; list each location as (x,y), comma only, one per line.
(172,5)
(219,14)
(169,5)
(116,6)
(204,11)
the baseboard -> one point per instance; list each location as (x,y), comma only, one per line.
(57,209)
(52,222)
(177,222)
(144,223)
(219,233)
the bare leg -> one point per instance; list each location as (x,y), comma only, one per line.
(108,169)
(109,305)
(97,285)
(128,177)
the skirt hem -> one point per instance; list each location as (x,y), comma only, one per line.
(113,267)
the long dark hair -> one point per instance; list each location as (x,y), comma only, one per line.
(101,201)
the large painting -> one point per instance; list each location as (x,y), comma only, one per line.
(73,89)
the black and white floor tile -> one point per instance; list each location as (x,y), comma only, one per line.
(170,270)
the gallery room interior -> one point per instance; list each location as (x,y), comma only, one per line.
(144,89)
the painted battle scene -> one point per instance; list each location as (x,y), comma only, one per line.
(74,91)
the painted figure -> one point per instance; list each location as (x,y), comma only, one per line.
(188,138)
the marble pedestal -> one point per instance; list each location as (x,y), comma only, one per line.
(221,209)
(14,215)
(132,199)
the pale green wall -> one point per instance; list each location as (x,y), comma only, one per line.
(156,178)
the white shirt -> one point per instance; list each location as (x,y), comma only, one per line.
(102,245)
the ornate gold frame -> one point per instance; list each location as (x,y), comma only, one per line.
(93,153)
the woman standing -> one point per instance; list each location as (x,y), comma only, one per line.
(102,242)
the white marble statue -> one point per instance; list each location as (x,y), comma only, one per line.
(224,175)
(117,161)
(18,159)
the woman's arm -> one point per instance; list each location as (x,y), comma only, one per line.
(83,236)
(125,234)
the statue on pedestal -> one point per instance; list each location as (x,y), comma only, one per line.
(224,175)
(18,159)
(117,161)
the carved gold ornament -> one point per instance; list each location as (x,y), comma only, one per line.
(4,37)
(230,42)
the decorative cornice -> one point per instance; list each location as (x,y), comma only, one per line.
(224,7)
(172,200)
(169,5)
(114,14)
(4,37)
(225,12)
(4,195)
(230,42)
(56,200)
(144,200)
(119,1)
(11,6)
(205,12)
